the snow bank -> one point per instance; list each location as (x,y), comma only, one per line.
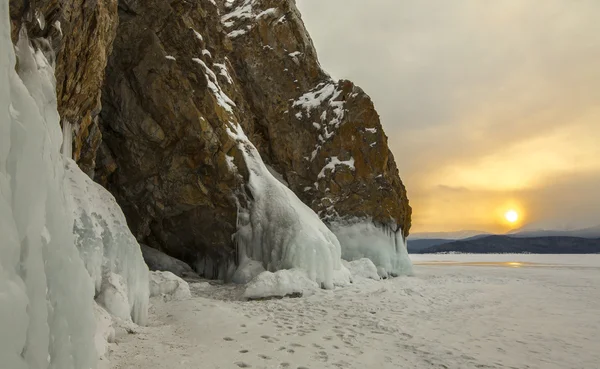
(278,229)
(168,285)
(106,244)
(247,270)
(46,295)
(385,247)
(362,268)
(292,282)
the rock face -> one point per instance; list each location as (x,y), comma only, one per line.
(180,74)
(80,33)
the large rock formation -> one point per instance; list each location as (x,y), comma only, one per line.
(80,34)
(180,74)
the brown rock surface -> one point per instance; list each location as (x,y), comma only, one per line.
(79,35)
(181,72)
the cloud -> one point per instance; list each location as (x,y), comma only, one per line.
(500,97)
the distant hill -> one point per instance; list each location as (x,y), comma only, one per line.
(511,244)
(458,235)
(416,246)
(592,232)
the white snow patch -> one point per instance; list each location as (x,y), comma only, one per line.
(243,11)
(267,13)
(362,268)
(231,163)
(169,286)
(236,33)
(280,284)
(206,53)
(324,96)
(57,25)
(213,85)
(170,57)
(333,162)
(371,130)
(224,72)
(198,35)
(247,271)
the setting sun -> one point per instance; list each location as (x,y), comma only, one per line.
(512,216)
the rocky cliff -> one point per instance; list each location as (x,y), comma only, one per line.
(181,73)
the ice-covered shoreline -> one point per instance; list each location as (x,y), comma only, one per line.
(452,316)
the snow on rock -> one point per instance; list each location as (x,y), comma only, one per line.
(224,72)
(362,268)
(105,243)
(213,84)
(157,260)
(278,229)
(282,283)
(46,294)
(247,270)
(385,247)
(333,162)
(244,11)
(325,95)
(168,285)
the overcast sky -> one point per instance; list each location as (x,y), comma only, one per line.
(488,104)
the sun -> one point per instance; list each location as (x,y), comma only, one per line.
(511,216)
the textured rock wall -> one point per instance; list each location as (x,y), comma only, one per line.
(181,72)
(78,35)
(150,120)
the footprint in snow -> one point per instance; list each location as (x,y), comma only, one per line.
(241,364)
(227,338)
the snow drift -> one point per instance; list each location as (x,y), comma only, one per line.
(384,246)
(46,294)
(169,286)
(292,282)
(279,230)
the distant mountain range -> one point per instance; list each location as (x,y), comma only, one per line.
(580,241)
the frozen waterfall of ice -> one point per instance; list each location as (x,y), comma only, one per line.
(106,244)
(282,232)
(46,294)
(385,247)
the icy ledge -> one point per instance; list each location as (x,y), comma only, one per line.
(383,244)
(280,231)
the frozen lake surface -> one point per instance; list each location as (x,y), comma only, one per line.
(459,311)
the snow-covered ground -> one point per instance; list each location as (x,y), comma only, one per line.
(458,311)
